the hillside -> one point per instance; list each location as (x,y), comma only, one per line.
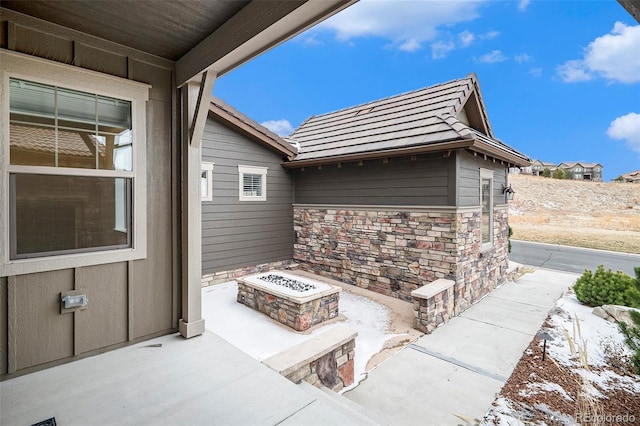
(583,214)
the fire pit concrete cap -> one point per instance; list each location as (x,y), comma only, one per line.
(321,288)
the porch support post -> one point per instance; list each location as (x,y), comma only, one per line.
(196,98)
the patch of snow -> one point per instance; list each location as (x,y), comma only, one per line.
(593,330)
(535,388)
(261,337)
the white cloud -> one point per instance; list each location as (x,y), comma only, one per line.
(466,38)
(312,40)
(492,57)
(613,56)
(626,127)
(489,35)
(410,45)
(574,71)
(408,24)
(536,72)
(523,4)
(441,48)
(280,127)
(522,58)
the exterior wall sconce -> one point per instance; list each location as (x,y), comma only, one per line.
(73,301)
(508,192)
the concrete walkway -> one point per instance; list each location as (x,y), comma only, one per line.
(461,366)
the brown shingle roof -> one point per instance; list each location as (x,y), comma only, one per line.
(231,116)
(429,117)
(41,139)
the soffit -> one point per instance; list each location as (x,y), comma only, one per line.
(199,36)
(168,29)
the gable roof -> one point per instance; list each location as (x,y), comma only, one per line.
(571,164)
(226,114)
(446,116)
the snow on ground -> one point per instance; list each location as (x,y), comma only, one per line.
(586,330)
(593,330)
(261,337)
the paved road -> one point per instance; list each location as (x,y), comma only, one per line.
(570,259)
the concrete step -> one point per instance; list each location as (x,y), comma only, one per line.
(354,412)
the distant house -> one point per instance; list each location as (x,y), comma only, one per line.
(632,177)
(583,171)
(576,170)
(538,167)
(388,195)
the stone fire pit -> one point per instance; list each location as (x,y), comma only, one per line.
(295,301)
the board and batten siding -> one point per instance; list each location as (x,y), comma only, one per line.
(468,176)
(238,233)
(401,181)
(128,301)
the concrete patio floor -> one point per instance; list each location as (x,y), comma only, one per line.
(165,381)
(207,381)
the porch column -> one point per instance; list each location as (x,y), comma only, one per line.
(196,97)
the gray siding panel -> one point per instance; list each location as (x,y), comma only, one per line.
(127,300)
(469,179)
(242,233)
(402,181)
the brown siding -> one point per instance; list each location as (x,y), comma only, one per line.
(423,181)
(104,322)
(38,332)
(3,325)
(127,300)
(468,172)
(234,233)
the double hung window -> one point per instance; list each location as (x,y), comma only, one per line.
(73,167)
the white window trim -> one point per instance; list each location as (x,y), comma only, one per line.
(208,168)
(255,170)
(21,66)
(487,174)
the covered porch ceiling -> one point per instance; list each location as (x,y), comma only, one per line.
(198,35)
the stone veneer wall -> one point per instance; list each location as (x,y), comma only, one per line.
(393,251)
(224,276)
(334,370)
(299,316)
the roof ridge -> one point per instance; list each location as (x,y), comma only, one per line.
(397,95)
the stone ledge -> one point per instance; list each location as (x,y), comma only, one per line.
(292,359)
(429,290)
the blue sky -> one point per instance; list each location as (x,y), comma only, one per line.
(560,79)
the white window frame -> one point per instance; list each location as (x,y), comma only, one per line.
(25,67)
(487,174)
(208,169)
(254,170)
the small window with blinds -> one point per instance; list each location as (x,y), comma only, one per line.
(252,183)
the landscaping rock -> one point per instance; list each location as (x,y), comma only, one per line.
(599,312)
(618,313)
